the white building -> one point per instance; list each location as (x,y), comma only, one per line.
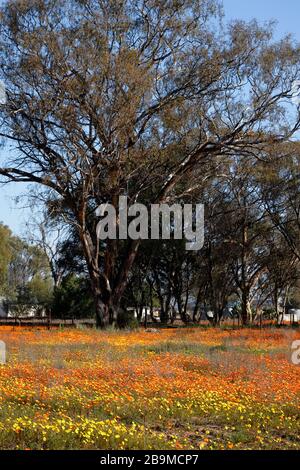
(145,311)
(20,310)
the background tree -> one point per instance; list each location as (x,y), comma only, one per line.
(280,187)
(48,236)
(29,278)
(5,256)
(73,298)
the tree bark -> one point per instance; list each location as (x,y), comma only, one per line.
(246,307)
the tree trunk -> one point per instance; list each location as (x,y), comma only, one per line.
(196,307)
(181,310)
(107,299)
(102,313)
(246,307)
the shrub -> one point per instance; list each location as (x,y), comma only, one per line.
(73,299)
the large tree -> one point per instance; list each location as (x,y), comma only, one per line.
(112,97)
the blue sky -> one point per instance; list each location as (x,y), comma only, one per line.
(287,15)
(285,12)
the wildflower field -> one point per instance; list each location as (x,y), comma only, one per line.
(185,388)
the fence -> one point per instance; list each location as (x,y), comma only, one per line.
(46,321)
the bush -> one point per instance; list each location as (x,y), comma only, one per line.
(126,319)
(73,299)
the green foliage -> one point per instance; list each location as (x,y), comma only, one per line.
(5,255)
(24,272)
(294,299)
(73,299)
(40,290)
(127,320)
